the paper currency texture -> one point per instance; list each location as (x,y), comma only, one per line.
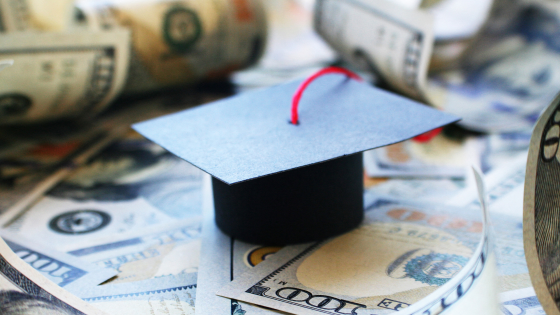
(403,257)
(541,218)
(23,290)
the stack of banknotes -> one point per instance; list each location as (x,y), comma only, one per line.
(95,219)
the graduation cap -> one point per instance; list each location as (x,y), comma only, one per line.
(281,180)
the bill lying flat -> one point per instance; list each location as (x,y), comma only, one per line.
(65,224)
(408,251)
(171,249)
(540,209)
(23,290)
(474,289)
(129,186)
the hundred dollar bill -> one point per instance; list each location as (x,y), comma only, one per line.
(166,250)
(397,46)
(508,228)
(64,270)
(170,295)
(540,209)
(136,169)
(131,185)
(23,290)
(401,254)
(182,41)
(61,74)
(65,224)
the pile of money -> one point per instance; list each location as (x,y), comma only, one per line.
(96,219)
(73,58)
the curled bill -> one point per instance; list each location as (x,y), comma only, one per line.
(473,290)
(541,206)
(23,290)
(397,46)
(388,264)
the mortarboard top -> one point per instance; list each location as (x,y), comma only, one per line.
(249,136)
(317,191)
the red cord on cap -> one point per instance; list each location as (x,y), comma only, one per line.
(425,137)
(303,86)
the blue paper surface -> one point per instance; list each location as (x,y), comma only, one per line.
(249,135)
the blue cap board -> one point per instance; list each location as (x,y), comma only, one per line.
(249,135)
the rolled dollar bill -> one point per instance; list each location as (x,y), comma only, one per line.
(60,74)
(541,204)
(182,41)
(104,48)
(397,46)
